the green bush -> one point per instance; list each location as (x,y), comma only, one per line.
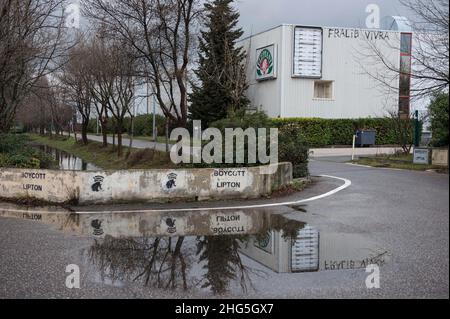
(244,121)
(325,132)
(143,125)
(292,149)
(291,143)
(15,152)
(439,120)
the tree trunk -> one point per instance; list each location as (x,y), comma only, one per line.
(104,133)
(130,145)
(74,133)
(84,129)
(167,134)
(119,143)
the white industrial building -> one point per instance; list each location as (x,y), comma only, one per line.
(324,72)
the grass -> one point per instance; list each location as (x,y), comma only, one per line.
(297,185)
(106,157)
(398,161)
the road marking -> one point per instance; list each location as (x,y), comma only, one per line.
(347,183)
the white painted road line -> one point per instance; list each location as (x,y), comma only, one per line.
(347,183)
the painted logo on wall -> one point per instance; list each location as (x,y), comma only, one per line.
(97,225)
(97,186)
(171,181)
(171,227)
(265,64)
(265,243)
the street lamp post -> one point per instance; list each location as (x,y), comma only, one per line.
(155,132)
(153,95)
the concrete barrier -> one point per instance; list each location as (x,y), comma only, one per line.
(439,157)
(104,187)
(182,223)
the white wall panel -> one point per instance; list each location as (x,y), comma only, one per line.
(348,61)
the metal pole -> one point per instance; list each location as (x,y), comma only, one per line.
(416,129)
(353,148)
(133,117)
(148,98)
(154,118)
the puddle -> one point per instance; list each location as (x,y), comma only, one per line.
(66,161)
(211,251)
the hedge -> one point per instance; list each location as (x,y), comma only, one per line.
(291,146)
(315,132)
(15,152)
(325,132)
(143,125)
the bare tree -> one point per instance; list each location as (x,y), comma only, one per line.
(31,41)
(122,84)
(158,262)
(430,52)
(428,64)
(102,88)
(76,84)
(403,129)
(61,113)
(44,110)
(161,34)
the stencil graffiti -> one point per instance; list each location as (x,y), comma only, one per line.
(171,228)
(171,183)
(97,186)
(97,225)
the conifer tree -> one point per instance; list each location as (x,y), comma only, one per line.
(221,71)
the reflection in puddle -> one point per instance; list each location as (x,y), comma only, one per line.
(211,251)
(205,250)
(211,262)
(66,161)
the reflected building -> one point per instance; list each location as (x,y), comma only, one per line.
(285,254)
(204,249)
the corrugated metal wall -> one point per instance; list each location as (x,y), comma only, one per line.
(265,95)
(348,61)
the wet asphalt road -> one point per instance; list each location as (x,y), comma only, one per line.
(405,212)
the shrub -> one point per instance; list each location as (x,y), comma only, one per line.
(325,132)
(15,152)
(244,121)
(293,149)
(439,120)
(143,125)
(10,143)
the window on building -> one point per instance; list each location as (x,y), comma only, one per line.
(404,104)
(405,43)
(405,64)
(323,90)
(405,85)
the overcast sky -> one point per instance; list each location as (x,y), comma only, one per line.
(260,15)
